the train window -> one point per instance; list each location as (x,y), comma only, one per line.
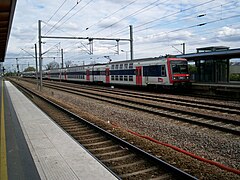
(130,65)
(121,66)
(130,78)
(125,66)
(121,78)
(112,78)
(179,67)
(163,70)
(116,66)
(125,78)
(112,67)
(116,78)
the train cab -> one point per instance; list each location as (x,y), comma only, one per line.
(178,71)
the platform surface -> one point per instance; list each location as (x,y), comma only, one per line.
(55,154)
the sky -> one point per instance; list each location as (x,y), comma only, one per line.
(160,27)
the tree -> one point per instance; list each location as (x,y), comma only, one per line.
(192,69)
(68,63)
(29,69)
(52,65)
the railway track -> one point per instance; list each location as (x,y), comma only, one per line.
(210,105)
(214,106)
(205,120)
(124,159)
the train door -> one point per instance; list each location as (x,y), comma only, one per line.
(65,75)
(88,75)
(60,75)
(107,75)
(139,75)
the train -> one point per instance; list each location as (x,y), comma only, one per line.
(158,71)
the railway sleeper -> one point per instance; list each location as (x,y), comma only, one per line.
(104,149)
(99,143)
(114,153)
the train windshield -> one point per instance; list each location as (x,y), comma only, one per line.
(179,67)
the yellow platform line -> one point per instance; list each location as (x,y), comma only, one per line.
(3,159)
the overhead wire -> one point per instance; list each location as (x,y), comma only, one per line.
(201,24)
(180,11)
(214,36)
(58,27)
(56,12)
(145,8)
(115,12)
(169,15)
(163,17)
(131,2)
(76,12)
(85,6)
(187,18)
(197,25)
(50,30)
(50,19)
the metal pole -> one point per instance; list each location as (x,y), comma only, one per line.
(91,45)
(117,47)
(131,41)
(40,52)
(183,48)
(62,57)
(17,66)
(35,45)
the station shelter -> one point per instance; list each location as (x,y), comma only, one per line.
(211,63)
(214,70)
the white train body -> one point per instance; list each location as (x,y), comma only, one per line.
(140,72)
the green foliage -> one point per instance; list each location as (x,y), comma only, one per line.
(234,77)
(192,69)
(10,74)
(28,69)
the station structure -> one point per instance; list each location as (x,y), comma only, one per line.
(212,63)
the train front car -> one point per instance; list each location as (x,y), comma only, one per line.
(178,72)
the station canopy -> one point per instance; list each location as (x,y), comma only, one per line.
(7,8)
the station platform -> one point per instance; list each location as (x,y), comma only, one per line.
(35,147)
(231,90)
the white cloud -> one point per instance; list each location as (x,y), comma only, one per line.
(229,34)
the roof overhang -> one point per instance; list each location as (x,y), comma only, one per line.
(7,8)
(228,54)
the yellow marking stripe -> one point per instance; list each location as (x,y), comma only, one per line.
(3,164)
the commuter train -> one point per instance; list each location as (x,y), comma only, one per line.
(159,71)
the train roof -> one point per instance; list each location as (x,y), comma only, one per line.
(145,59)
(123,61)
